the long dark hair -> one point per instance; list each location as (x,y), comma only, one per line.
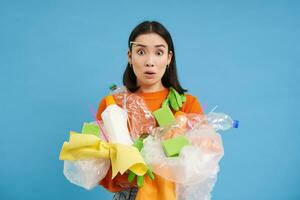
(170,78)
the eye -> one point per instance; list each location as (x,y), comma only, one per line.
(141,52)
(159,53)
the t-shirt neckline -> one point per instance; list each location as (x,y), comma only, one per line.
(151,95)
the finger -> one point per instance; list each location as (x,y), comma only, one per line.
(150,174)
(140,181)
(131,176)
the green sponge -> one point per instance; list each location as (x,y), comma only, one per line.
(173,146)
(164,116)
(90,128)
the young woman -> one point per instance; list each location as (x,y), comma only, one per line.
(150,72)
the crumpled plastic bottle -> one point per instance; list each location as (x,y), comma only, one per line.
(218,121)
(221,121)
(140,118)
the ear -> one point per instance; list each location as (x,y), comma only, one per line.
(129,56)
(170,55)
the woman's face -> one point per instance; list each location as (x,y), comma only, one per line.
(149,58)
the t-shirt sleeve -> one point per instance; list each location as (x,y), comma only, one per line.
(101,108)
(192,105)
(118,183)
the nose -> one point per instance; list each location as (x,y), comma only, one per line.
(149,65)
(149,61)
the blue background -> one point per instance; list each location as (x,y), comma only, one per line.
(57,58)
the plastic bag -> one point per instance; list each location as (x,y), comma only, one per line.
(195,161)
(86,173)
(198,191)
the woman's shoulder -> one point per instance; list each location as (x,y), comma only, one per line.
(190,98)
(191,105)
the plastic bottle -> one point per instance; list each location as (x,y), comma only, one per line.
(119,94)
(114,89)
(141,121)
(221,121)
(115,122)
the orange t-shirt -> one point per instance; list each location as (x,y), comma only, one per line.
(159,188)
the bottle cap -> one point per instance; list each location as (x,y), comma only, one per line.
(112,87)
(235,124)
(110,100)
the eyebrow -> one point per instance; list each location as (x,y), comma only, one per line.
(143,45)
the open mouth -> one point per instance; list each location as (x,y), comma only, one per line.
(149,73)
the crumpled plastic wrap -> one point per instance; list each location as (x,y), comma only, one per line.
(194,163)
(209,143)
(86,173)
(195,169)
(198,191)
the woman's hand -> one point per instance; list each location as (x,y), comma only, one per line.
(127,185)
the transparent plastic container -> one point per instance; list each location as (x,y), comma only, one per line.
(140,119)
(221,121)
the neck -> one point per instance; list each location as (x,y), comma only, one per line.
(151,88)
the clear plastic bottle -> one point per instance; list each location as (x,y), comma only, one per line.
(120,94)
(114,89)
(221,121)
(140,119)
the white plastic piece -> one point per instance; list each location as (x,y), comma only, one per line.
(115,123)
(86,173)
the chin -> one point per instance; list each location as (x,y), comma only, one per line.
(149,82)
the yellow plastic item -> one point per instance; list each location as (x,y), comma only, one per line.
(122,157)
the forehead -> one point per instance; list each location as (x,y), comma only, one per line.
(150,39)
